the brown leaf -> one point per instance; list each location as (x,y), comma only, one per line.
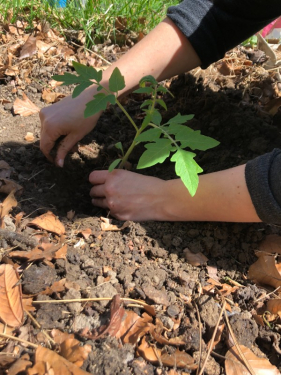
(273,106)
(264,271)
(71,350)
(197,259)
(134,327)
(11,309)
(234,365)
(7,330)
(217,336)
(86,233)
(5,207)
(106,225)
(21,365)
(27,304)
(51,97)
(47,360)
(58,286)
(270,245)
(38,253)
(29,47)
(6,186)
(29,137)
(49,222)
(25,107)
(274,306)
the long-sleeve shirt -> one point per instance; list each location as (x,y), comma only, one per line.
(213,28)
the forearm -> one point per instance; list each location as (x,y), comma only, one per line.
(221,196)
(163,53)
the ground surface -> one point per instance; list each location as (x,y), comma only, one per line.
(144,261)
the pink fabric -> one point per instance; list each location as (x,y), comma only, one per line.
(273,25)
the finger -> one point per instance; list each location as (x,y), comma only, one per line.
(64,147)
(98,177)
(100,202)
(46,145)
(97,191)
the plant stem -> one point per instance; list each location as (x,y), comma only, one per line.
(127,115)
(130,149)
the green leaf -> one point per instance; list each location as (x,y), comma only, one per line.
(187,169)
(80,88)
(148,79)
(146,102)
(87,72)
(67,78)
(146,120)
(180,119)
(98,104)
(149,135)
(194,139)
(156,117)
(116,81)
(113,165)
(162,89)
(119,146)
(144,90)
(156,152)
(162,103)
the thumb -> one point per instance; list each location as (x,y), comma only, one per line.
(64,147)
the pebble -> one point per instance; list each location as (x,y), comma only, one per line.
(173,310)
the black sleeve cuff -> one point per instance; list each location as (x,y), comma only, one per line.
(263,178)
(214,27)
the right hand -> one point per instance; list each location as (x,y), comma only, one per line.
(65,118)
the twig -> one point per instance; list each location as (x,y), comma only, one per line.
(39,326)
(200,335)
(94,53)
(90,300)
(213,339)
(19,340)
(242,356)
(267,295)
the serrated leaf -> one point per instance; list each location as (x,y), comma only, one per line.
(79,89)
(180,119)
(162,103)
(148,79)
(144,90)
(116,81)
(162,89)
(87,72)
(119,146)
(156,152)
(149,135)
(98,104)
(187,169)
(113,165)
(146,103)
(194,139)
(156,117)
(146,120)
(67,79)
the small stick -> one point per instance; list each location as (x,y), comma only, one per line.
(90,300)
(200,335)
(242,356)
(19,340)
(94,53)
(267,295)
(212,339)
(39,326)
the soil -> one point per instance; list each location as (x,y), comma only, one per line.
(145,260)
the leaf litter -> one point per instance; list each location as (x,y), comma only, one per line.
(165,335)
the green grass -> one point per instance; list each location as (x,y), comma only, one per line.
(96,18)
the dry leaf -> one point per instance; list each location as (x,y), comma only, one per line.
(47,360)
(25,107)
(6,186)
(217,336)
(49,222)
(11,309)
(106,225)
(51,97)
(273,106)
(72,350)
(7,330)
(5,207)
(197,259)
(264,271)
(234,366)
(38,253)
(274,306)
(86,233)
(134,327)
(27,304)
(29,137)
(29,47)
(270,245)
(58,286)
(21,365)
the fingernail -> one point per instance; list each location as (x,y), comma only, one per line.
(60,163)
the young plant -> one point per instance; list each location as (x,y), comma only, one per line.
(162,141)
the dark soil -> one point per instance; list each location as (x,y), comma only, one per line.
(147,258)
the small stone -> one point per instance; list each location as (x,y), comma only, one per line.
(157,296)
(105,290)
(212,367)
(167,322)
(74,307)
(173,311)
(21,150)
(209,310)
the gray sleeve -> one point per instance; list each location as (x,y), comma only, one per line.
(263,180)
(214,27)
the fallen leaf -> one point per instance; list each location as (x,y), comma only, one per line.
(27,304)
(39,253)
(217,336)
(234,365)
(11,309)
(58,286)
(197,259)
(49,222)
(25,107)
(51,97)
(55,84)
(270,245)
(6,186)
(86,233)
(29,47)
(273,106)
(134,327)
(5,207)
(29,137)
(264,271)
(7,330)
(274,306)
(106,225)
(72,350)
(21,365)
(51,363)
